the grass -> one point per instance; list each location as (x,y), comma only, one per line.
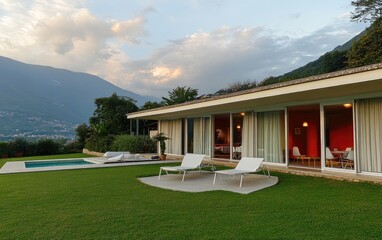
(111,203)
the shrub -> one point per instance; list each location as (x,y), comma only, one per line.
(73,147)
(99,143)
(47,147)
(22,147)
(3,149)
(18,147)
(134,144)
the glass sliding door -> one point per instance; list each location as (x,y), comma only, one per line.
(202,135)
(339,136)
(369,135)
(271,136)
(190,135)
(248,135)
(173,129)
(237,128)
(199,135)
(222,138)
(304,141)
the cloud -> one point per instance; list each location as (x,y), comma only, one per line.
(210,61)
(165,74)
(66,34)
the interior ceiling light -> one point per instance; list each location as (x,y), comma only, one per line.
(347,105)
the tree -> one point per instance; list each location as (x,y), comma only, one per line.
(367,50)
(237,86)
(366,10)
(82,132)
(333,61)
(180,95)
(150,105)
(268,81)
(109,118)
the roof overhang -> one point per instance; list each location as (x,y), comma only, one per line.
(345,84)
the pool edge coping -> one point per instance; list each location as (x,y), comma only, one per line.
(12,167)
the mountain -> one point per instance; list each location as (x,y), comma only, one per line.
(332,61)
(329,62)
(40,101)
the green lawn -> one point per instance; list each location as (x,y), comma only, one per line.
(111,203)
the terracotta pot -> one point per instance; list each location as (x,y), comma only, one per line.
(162,157)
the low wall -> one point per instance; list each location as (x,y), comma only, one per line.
(92,153)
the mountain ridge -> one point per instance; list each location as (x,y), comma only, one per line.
(51,93)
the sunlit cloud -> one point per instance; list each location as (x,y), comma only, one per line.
(65,34)
(165,74)
(210,61)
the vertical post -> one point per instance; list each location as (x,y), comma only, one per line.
(137,130)
(131,126)
(231,137)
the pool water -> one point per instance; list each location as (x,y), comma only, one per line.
(55,163)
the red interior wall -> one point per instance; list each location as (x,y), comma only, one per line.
(341,130)
(308,141)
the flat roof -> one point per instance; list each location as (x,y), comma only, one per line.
(340,84)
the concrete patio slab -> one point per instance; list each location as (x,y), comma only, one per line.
(202,182)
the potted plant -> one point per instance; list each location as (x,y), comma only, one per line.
(161,138)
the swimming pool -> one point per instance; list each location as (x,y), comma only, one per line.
(56,163)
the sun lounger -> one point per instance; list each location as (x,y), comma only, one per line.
(245,166)
(114,154)
(122,158)
(190,162)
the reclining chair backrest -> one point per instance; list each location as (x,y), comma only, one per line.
(191,160)
(249,164)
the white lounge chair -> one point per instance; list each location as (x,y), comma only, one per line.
(122,158)
(190,162)
(114,154)
(245,166)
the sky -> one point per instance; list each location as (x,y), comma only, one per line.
(153,46)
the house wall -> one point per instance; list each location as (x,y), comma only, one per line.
(338,132)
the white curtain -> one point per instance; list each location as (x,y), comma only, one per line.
(247,137)
(173,129)
(202,135)
(270,136)
(369,132)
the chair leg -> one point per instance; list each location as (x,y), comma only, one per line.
(214,178)
(184,174)
(269,175)
(241,179)
(160,172)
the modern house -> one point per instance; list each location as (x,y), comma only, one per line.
(334,120)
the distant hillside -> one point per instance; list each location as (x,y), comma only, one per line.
(39,100)
(332,61)
(329,62)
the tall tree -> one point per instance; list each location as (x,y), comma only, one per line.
(366,10)
(180,95)
(109,118)
(367,50)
